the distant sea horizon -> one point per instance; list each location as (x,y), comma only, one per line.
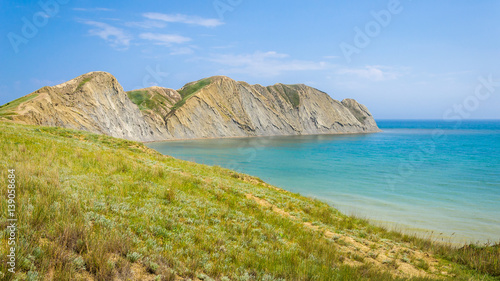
(434,178)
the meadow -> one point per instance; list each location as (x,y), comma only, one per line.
(92,207)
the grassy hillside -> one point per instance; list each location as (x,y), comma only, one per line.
(291,94)
(8,109)
(193,87)
(189,90)
(150,101)
(160,104)
(92,207)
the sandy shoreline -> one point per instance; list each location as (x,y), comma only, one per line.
(261,136)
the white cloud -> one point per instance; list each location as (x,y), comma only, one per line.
(115,37)
(147,24)
(179,18)
(373,72)
(264,63)
(165,39)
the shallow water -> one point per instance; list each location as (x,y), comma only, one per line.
(416,176)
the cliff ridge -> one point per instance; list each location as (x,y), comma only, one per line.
(208,108)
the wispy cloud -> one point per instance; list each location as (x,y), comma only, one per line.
(264,63)
(165,39)
(179,18)
(114,36)
(119,34)
(373,72)
(147,24)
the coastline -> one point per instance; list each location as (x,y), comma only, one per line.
(459,230)
(244,137)
(117,196)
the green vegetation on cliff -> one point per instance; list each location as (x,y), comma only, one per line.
(92,207)
(288,92)
(147,100)
(9,108)
(189,90)
(292,95)
(141,99)
(83,82)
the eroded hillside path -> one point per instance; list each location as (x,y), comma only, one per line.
(386,255)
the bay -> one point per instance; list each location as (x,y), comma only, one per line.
(433,178)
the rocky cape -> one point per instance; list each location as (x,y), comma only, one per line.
(214,107)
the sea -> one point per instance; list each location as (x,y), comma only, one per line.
(434,179)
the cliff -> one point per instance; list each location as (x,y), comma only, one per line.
(93,102)
(208,108)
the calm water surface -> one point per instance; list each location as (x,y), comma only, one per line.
(418,176)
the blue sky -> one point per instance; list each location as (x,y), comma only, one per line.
(403,59)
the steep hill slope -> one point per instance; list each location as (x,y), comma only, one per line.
(93,102)
(221,107)
(208,108)
(92,207)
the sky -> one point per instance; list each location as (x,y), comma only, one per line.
(402,59)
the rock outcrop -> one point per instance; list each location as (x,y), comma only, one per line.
(209,108)
(93,102)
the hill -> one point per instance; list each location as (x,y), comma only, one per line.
(93,207)
(209,108)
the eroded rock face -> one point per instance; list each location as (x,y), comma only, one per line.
(226,108)
(209,108)
(93,102)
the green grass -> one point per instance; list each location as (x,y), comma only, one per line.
(482,258)
(147,101)
(292,95)
(189,90)
(8,108)
(92,206)
(83,82)
(289,93)
(179,104)
(141,99)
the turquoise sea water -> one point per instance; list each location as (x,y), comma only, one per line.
(416,176)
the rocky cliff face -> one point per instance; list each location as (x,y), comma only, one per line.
(226,108)
(208,108)
(93,102)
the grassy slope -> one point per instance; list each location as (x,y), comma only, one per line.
(9,108)
(150,101)
(292,95)
(189,90)
(156,102)
(93,207)
(83,82)
(289,93)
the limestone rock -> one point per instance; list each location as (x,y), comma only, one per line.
(209,108)
(93,102)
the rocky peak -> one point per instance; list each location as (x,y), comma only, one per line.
(217,106)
